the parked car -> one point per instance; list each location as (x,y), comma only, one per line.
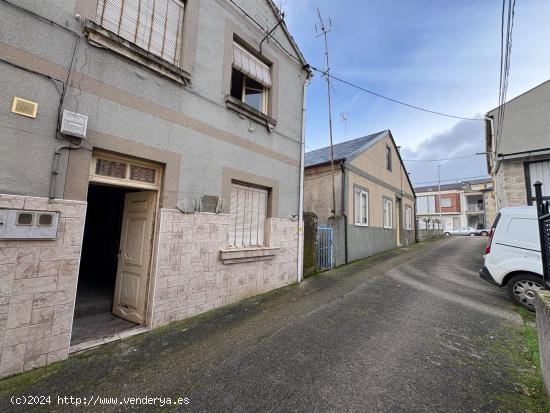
(472,232)
(512,257)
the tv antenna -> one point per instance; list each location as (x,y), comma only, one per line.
(322,31)
(344,118)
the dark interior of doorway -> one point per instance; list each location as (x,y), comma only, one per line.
(93,316)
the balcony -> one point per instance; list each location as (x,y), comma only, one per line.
(474,208)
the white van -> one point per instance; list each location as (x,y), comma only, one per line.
(512,257)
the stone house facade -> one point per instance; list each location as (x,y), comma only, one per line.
(184,194)
(518,148)
(374,199)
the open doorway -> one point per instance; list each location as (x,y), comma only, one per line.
(114,265)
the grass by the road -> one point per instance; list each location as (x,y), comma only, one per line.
(521,348)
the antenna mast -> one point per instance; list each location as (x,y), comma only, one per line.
(344,118)
(326,74)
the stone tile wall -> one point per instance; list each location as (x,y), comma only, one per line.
(510,184)
(37,288)
(191,278)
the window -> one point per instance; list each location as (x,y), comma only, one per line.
(388,214)
(248,212)
(361,207)
(250,79)
(540,171)
(446,202)
(408,218)
(425,204)
(388,158)
(153,25)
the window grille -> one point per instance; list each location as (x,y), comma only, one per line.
(248,209)
(139,173)
(110,168)
(153,25)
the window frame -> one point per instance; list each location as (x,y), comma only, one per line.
(408,217)
(363,208)
(388,158)
(265,93)
(389,224)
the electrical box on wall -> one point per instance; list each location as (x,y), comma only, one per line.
(74,124)
(22,224)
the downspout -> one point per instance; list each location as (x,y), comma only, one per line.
(344,209)
(300,270)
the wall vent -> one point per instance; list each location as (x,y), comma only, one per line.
(24,107)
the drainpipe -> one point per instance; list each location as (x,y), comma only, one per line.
(300,271)
(343,207)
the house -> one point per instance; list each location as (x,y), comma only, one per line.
(374,198)
(464,204)
(518,149)
(151,166)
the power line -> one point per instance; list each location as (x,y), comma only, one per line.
(443,159)
(452,180)
(505,58)
(394,100)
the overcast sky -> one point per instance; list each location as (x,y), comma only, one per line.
(441,55)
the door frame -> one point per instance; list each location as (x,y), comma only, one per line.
(156,186)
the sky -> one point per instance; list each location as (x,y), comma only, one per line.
(441,55)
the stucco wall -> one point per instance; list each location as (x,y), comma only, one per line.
(190,276)
(128,101)
(318,191)
(38,287)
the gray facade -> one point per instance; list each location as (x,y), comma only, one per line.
(129,101)
(518,150)
(146,203)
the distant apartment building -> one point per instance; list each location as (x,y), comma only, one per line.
(464,204)
(518,148)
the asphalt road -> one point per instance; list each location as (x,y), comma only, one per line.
(410,331)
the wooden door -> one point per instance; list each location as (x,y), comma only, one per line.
(134,256)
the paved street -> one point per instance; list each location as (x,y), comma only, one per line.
(411,331)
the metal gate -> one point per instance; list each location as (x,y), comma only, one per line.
(324,247)
(543,212)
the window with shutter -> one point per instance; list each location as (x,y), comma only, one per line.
(153,25)
(248,212)
(250,79)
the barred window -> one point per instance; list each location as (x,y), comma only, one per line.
(153,25)
(361,207)
(248,209)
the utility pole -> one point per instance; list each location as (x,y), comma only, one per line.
(323,32)
(439,181)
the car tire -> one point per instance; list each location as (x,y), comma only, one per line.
(521,288)
(484,233)
(446,234)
